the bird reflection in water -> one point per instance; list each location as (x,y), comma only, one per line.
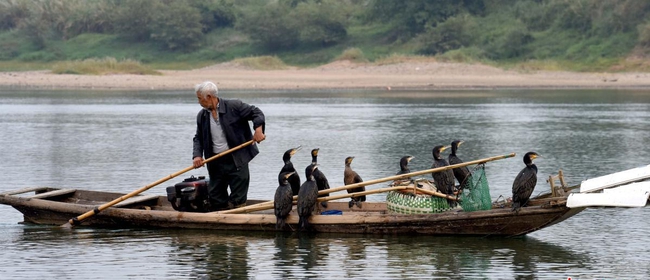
(213,256)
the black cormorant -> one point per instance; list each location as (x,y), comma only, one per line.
(320,178)
(307,198)
(403,169)
(283,200)
(524,184)
(352,177)
(294,180)
(462,174)
(444,180)
(404,165)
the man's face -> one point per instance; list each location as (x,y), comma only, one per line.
(205,102)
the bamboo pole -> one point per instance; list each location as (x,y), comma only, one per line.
(77,220)
(438,194)
(264,206)
(269,204)
(347,195)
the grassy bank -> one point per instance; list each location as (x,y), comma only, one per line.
(581,35)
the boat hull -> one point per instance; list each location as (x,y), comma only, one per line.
(373,218)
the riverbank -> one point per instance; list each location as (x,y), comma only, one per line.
(336,75)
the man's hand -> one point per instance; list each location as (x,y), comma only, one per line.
(259,135)
(197,162)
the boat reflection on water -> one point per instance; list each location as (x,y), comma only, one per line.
(201,254)
(218,255)
(519,258)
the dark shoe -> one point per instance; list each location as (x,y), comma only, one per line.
(239,205)
(232,205)
(220,207)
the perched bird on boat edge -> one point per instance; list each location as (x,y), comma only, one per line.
(283,200)
(294,180)
(352,177)
(320,178)
(444,180)
(404,165)
(524,184)
(307,198)
(462,174)
(403,169)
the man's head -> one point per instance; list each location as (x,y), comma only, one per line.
(206,92)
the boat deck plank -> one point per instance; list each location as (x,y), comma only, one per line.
(135,200)
(25,190)
(53,193)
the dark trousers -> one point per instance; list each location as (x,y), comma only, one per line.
(223,173)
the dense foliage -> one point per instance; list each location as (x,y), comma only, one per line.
(596,33)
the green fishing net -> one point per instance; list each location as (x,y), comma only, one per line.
(476,193)
(475,196)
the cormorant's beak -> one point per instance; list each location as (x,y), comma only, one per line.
(410,158)
(534,156)
(295,150)
(445,147)
(460,142)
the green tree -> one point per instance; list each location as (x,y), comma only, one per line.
(644,35)
(12,12)
(177,25)
(132,18)
(534,13)
(269,25)
(319,22)
(47,20)
(90,17)
(510,42)
(413,16)
(454,33)
(216,13)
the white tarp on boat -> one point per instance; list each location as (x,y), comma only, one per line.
(640,187)
(630,195)
(615,179)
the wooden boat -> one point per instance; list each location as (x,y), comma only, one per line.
(51,206)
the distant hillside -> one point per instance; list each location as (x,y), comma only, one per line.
(581,35)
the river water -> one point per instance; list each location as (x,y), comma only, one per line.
(121,141)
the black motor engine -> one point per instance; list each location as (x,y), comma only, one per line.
(191,195)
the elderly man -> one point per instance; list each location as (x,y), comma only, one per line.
(221,125)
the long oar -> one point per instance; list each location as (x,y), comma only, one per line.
(77,220)
(383,190)
(269,204)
